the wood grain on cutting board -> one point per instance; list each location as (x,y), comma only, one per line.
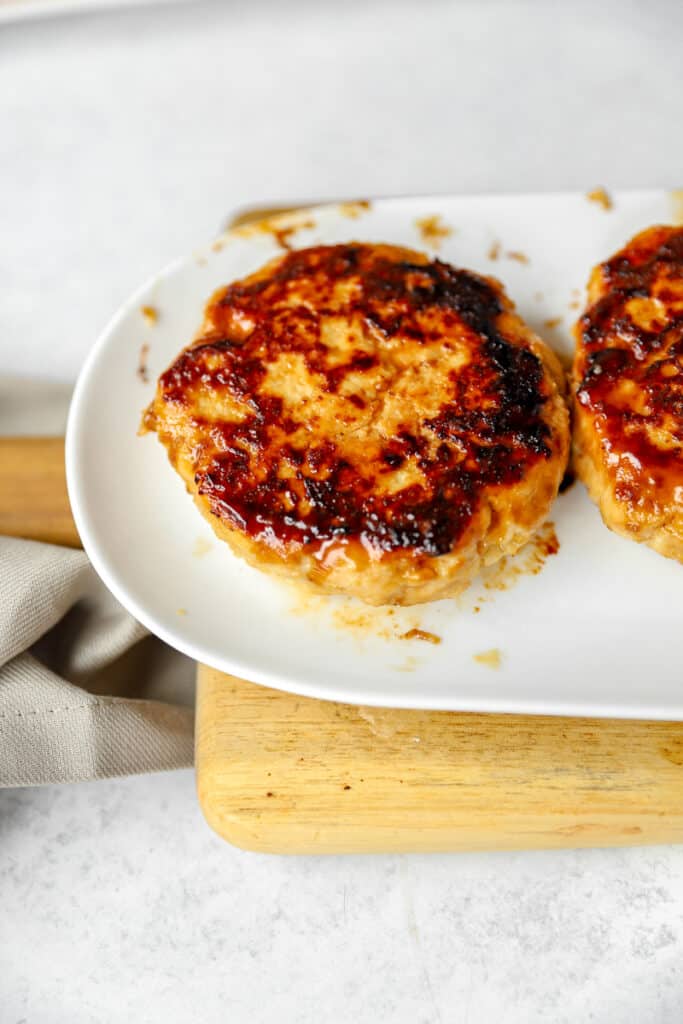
(33,498)
(290,774)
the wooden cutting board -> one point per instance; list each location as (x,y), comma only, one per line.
(287,774)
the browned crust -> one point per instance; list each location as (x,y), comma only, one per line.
(443,436)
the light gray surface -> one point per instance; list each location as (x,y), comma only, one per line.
(124,907)
(126,138)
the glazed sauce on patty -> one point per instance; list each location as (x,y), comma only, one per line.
(428,402)
(630,360)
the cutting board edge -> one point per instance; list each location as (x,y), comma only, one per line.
(613,784)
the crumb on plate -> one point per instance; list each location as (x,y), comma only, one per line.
(142,369)
(421,634)
(282,233)
(151,314)
(491,658)
(519,257)
(601,197)
(354,208)
(433,230)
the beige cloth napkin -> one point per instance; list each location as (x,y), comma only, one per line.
(85,692)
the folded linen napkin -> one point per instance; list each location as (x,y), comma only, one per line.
(85,692)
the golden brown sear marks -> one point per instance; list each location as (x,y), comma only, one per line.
(628,374)
(266,471)
(357,400)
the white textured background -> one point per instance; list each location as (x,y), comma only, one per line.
(126,138)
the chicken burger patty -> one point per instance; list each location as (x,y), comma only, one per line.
(367,419)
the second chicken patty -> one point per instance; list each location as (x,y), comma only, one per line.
(628,376)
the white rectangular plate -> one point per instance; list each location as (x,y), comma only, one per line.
(596,632)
